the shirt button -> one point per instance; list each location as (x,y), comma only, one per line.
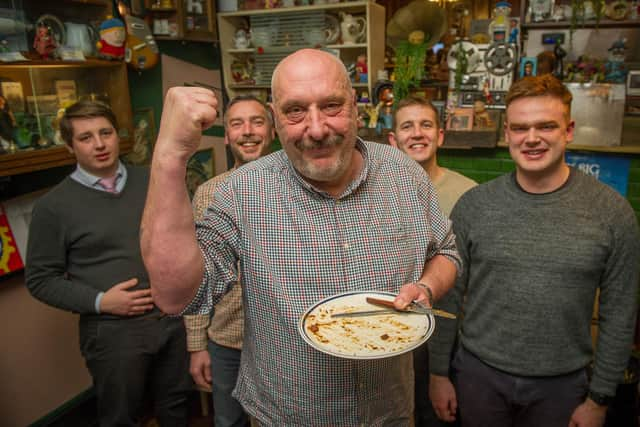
(346,246)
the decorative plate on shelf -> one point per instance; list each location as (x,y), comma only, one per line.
(617,10)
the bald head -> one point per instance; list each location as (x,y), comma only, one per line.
(303,65)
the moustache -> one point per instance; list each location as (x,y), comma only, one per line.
(308,144)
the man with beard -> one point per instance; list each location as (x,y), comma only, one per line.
(328,214)
(248,134)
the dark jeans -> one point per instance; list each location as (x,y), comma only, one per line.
(488,397)
(425,416)
(130,359)
(225,364)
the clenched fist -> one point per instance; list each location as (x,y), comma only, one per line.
(187,112)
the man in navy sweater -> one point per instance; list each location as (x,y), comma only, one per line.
(83,256)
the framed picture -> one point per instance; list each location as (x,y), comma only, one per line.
(528,66)
(460,119)
(486,119)
(144,137)
(200,168)
(12,92)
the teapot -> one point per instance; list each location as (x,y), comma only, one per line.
(241,39)
(352,28)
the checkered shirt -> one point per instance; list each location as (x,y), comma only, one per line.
(227,322)
(296,246)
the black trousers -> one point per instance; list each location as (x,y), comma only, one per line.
(133,358)
(488,397)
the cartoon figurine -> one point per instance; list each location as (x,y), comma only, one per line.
(513,33)
(44,43)
(362,71)
(615,68)
(498,26)
(112,37)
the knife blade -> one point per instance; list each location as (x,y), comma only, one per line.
(414,307)
(435,312)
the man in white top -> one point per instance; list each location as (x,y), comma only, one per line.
(417,132)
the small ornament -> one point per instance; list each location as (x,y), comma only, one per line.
(44,43)
(112,38)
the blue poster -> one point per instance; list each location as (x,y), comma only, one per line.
(613,171)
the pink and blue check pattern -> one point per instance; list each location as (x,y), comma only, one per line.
(295,246)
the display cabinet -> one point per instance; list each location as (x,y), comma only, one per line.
(252,42)
(34,95)
(183,19)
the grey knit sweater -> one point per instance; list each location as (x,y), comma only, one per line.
(83,241)
(532,264)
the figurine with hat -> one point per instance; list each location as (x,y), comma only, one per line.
(112,38)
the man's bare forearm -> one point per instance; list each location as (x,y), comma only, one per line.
(168,240)
(439,274)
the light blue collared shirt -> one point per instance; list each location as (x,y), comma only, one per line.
(85,178)
(91,181)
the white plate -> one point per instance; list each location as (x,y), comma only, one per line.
(368,337)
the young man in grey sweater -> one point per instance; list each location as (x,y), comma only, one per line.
(536,245)
(83,256)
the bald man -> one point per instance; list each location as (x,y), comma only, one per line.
(319,218)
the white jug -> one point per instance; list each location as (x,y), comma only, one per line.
(352,28)
(80,36)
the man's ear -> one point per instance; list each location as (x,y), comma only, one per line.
(392,139)
(440,140)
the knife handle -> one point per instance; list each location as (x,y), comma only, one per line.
(381,302)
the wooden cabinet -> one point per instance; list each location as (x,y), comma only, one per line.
(183,19)
(35,92)
(278,32)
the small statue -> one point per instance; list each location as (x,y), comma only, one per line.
(7,127)
(364,97)
(362,71)
(241,39)
(44,43)
(513,33)
(498,26)
(560,54)
(481,117)
(112,38)
(615,69)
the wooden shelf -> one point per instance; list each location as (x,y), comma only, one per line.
(346,6)
(604,23)
(45,158)
(373,47)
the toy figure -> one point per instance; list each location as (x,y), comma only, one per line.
(7,127)
(498,27)
(481,117)
(615,69)
(44,43)
(112,38)
(362,69)
(560,54)
(513,34)
(364,97)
